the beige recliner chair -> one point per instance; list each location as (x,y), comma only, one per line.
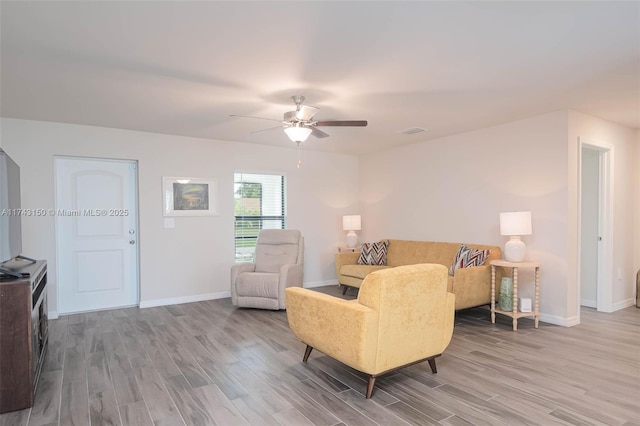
(278,265)
(402,316)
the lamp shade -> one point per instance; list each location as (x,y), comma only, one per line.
(298,134)
(351,223)
(515,223)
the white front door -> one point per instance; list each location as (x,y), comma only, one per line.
(96,234)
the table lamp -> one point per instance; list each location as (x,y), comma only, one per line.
(515,224)
(351,223)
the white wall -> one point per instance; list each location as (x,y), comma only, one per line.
(449,189)
(193,260)
(453,189)
(624,143)
(636,160)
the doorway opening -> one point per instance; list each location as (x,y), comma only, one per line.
(595,225)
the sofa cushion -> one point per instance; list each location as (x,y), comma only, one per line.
(374,253)
(467,256)
(360,271)
(406,252)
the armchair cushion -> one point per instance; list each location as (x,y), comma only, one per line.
(258,284)
(269,258)
(279,236)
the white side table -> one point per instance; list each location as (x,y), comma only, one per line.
(514,312)
(345,249)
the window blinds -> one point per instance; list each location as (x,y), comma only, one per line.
(259,204)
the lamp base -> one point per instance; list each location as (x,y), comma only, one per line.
(352,239)
(514,249)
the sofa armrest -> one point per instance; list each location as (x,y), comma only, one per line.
(343,329)
(472,286)
(473,274)
(349,258)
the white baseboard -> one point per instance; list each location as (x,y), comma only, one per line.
(623,304)
(211,296)
(185,299)
(52,315)
(320,283)
(571,321)
(556,320)
(588,303)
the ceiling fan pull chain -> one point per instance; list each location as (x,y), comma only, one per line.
(299,161)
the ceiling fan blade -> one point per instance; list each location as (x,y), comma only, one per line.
(318,133)
(267,129)
(356,123)
(306,112)
(259,118)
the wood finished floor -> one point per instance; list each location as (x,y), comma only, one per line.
(208,363)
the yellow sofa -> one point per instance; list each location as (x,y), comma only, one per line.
(402,316)
(472,286)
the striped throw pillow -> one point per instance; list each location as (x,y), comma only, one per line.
(374,253)
(467,257)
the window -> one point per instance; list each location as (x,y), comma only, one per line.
(259,204)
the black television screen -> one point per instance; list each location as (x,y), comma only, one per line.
(10,216)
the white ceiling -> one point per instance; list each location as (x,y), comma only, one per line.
(183,67)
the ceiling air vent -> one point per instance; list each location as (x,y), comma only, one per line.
(412,130)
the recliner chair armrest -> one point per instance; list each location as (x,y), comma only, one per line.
(291,275)
(236,270)
(239,268)
(343,329)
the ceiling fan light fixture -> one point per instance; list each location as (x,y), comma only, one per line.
(298,133)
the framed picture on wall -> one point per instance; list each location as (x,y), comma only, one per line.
(185,196)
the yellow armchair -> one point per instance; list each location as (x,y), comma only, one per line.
(402,316)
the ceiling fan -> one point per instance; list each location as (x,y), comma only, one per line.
(299,124)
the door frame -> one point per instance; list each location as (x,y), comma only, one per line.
(604,291)
(136,201)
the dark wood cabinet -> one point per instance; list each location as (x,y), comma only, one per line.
(23,335)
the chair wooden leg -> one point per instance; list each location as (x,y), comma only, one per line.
(307,352)
(344,289)
(370,384)
(432,364)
